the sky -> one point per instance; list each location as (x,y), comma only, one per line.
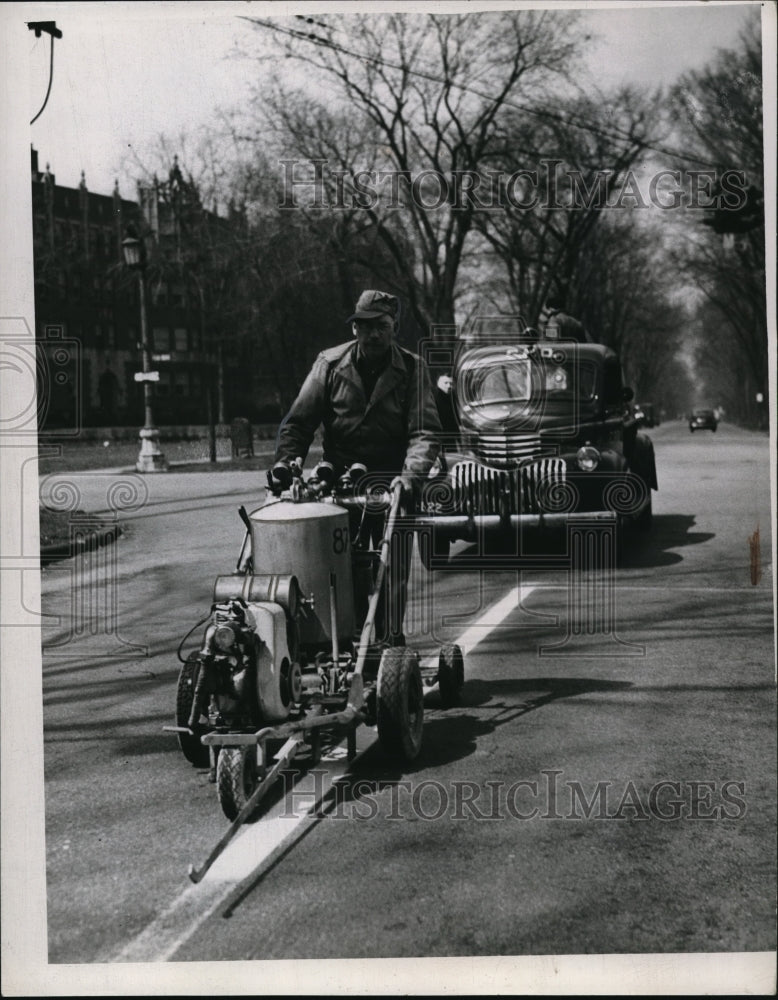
(126,73)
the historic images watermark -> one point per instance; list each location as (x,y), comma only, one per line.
(549,796)
(48,378)
(92,613)
(318,184)
(50,383)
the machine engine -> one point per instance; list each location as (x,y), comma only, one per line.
(226,690)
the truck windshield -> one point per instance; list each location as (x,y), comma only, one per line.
(495,388)
(523,380)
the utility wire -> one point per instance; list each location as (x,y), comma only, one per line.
(51,80)
(537,112)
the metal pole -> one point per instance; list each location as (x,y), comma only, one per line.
(150,458)
(211,424)
(205,347)
(146,351)
(222,413)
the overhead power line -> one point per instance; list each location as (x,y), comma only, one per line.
(50,27)
(581,124)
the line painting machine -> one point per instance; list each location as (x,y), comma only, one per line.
(288,651)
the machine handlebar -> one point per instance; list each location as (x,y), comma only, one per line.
(285,481)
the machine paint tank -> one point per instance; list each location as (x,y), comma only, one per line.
(311,541)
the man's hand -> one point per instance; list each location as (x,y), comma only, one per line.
(407,483)
(280,477)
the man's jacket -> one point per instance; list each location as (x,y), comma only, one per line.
(397,430)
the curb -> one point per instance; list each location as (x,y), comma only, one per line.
(88,543)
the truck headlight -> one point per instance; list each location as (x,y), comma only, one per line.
(588,458)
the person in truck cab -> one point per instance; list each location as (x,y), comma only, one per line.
(374,401)
(559,325)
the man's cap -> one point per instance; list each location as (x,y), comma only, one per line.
(371,304)
(555,299)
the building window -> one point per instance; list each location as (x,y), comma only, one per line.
(163,386)
(181,339)
(161,338)
(181,383)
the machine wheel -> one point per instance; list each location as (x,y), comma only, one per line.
(435,551)
(236,778)
(400,703)
(191,747)
(451,674)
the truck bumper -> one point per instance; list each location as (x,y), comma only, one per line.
(470,527)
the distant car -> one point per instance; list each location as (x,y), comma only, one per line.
(650,419)
(701,420)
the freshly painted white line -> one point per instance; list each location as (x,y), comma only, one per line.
(260,839)
(160,940)
(493,617)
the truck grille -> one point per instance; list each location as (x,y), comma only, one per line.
(507,449)
(478,489)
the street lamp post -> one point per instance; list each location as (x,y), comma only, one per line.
(150,458)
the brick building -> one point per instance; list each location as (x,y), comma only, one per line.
(87,311)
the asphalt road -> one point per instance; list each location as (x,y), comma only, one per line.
(600,791)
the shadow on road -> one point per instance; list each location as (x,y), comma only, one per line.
(669,532)
(454,735)
(448,737)
(548,549)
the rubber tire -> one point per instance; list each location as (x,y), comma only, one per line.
(236,778)
(645,520)
(451,675)
(191,747)
(400,704)
(436,552)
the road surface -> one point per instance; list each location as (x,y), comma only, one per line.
(604,792)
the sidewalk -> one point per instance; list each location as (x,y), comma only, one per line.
(110,492)
(184,466)
(104,496)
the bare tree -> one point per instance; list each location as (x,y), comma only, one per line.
(720,111)
(428,93)
(577,163)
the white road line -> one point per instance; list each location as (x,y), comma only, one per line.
(493,617)
(160,940)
